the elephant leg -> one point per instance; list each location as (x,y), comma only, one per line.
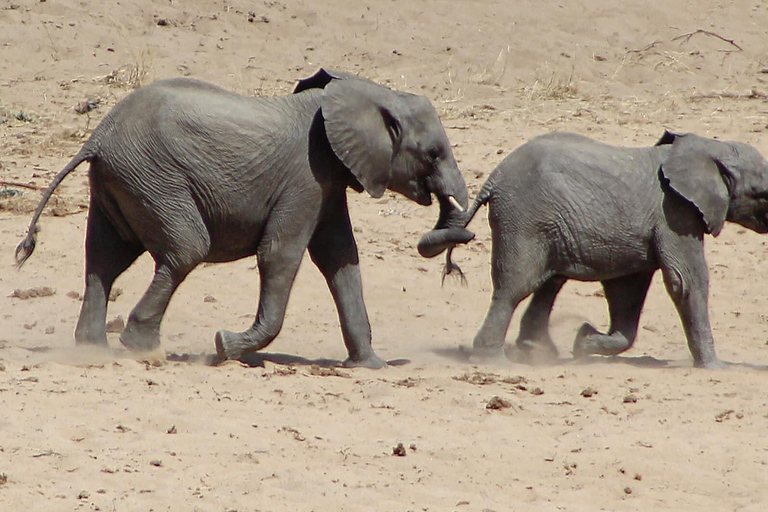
(689,288)
(142,331)
(107,255)
(177,242)
(279,257)
(516,272)
(334,251)
(625,296)
(534,335)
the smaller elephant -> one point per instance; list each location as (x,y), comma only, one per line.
(192,173)
(564,206)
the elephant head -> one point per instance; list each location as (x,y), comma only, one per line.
(391,140)
(726,181)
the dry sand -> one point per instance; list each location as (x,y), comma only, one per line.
(97,431)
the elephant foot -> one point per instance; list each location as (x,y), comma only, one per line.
(83,342)
(140,338)
(535,352)
(486,355)
(591,341)
(233,345)
(714,364)
(373,362)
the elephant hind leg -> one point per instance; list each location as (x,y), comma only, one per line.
(534,340)
(142,331)
(625,296)
(178,244)
(107,255)
(516,272)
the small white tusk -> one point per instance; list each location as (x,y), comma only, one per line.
(455,203)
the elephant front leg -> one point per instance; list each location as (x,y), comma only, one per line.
(625,296)
(277,269)
(333,250)
(689,288)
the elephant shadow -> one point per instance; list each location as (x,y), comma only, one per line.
(462,354)
(258,360)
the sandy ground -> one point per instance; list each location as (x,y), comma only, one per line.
(98,431)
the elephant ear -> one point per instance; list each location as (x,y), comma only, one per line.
(698,177)
(362,130)
(320,79)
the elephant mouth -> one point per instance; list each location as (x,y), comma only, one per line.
(448,231)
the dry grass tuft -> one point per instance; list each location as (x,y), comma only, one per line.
(551,87)
(130,76)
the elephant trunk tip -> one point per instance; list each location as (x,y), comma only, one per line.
(438,240)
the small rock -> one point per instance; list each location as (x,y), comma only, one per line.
(496,403)
(399,450)
(86,106)
(50,330)
(156,462)
(171,430)
(588,392)
(629,399)
(627,490)
(162,22)
(114,294)
(210,298)
(117,324)
(83,495)
(32,293)
(74,295)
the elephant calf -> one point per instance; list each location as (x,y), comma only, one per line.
(563,206)
(192,173)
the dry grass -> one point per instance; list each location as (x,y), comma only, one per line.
(130,76)
(551,85)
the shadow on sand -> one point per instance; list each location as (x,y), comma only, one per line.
(257,360)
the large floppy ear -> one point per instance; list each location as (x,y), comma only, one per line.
(362,130)
(697,176)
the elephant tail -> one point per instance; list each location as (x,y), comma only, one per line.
(27,246)
(485,195)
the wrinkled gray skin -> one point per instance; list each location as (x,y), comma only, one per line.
(565,207)
(193,173)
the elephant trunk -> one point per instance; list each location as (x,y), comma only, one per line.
(451,193)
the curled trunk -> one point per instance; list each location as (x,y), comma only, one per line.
(448,231)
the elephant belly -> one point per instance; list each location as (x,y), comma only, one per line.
(599,258)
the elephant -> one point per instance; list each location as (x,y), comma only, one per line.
(193,173)
(563,206)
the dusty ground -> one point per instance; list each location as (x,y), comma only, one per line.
(88,431)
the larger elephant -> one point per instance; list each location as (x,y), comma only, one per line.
(564,206)
(193,173)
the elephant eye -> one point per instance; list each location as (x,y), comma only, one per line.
(433,154)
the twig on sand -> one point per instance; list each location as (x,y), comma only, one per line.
(21,185)
(753,94)
(689,35)
(646,47)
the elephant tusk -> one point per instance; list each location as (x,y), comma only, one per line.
(455,203)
